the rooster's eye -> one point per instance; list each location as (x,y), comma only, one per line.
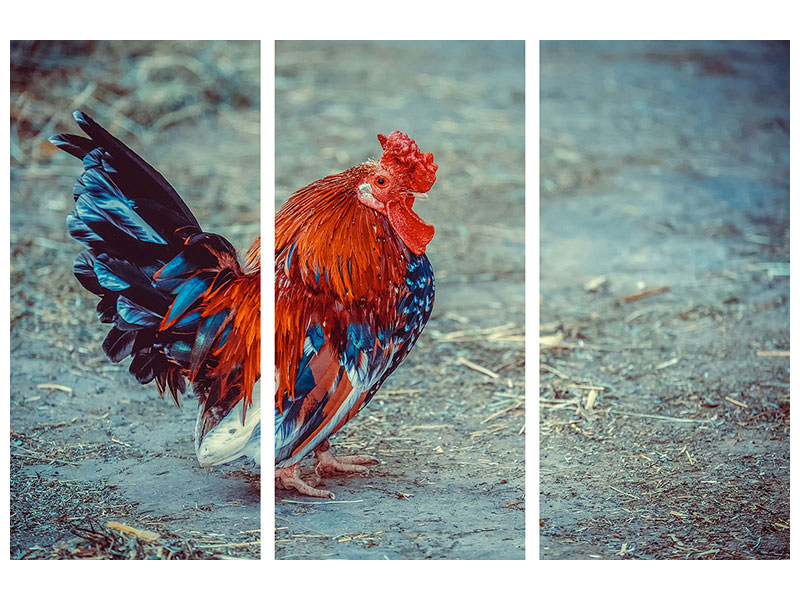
(381,181)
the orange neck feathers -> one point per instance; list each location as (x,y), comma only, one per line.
(342,246)
(336,261)
(243,346)
(335,245)
(253,259)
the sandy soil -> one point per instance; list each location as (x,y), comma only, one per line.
(664,419)
(450,439)
(88,443)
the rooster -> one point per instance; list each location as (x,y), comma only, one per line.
(353,291)
(180,303)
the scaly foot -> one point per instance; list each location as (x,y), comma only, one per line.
(289,478)
(328,463)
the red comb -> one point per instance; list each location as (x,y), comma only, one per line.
(403,158)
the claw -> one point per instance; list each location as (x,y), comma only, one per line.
(289,478)
(328,463)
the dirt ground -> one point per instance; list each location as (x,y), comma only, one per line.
(89,444)
(450,484)
(664,397)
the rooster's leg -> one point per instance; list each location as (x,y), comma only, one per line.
(328,463)
(289,478)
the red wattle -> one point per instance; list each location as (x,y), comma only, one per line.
(415,233)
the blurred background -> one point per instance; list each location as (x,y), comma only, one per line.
(664,307)
(89,443)
(450,437)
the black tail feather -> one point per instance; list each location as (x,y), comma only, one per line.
(132,223)
(149,182)
(119,344)
(151,264)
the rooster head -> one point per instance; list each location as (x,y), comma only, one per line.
(402,174)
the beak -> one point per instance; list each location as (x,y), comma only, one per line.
(418,195)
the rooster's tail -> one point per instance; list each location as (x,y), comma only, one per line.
(146,257)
